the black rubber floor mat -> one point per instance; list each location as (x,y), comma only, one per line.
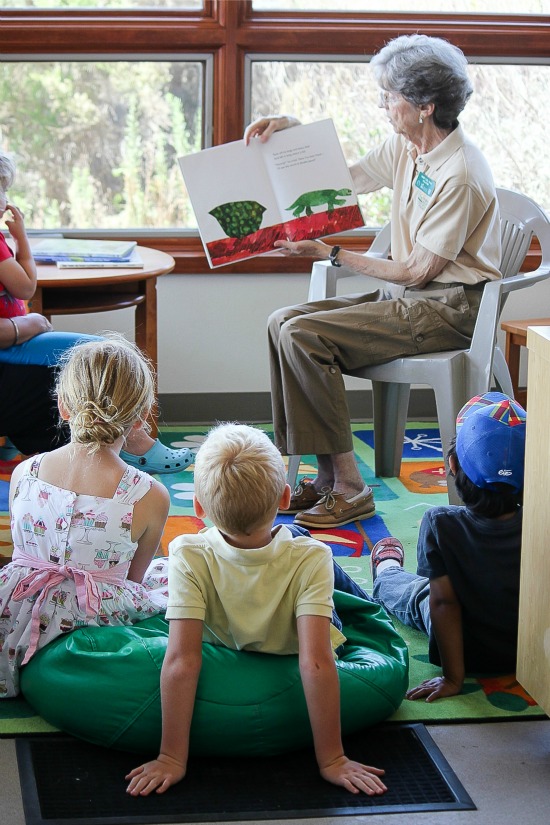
(67,782)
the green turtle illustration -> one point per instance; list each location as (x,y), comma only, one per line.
(239,218)
(319,197)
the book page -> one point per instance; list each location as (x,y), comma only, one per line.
(308,172)
(230,192)
(295,186)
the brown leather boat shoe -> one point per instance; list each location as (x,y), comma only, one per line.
(304,496)
(333,510)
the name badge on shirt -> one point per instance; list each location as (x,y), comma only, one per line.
(425,184)
(422,200)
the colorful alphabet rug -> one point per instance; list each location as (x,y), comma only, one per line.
(400,504)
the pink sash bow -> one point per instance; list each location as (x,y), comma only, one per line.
(46,574)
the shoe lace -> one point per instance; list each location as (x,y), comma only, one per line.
(299,489)
(328,498)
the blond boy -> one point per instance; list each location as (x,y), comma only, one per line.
(249,585)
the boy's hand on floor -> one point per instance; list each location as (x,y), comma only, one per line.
(437,688)
(157,775)
(354,776)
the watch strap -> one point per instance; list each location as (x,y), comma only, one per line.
(333,257)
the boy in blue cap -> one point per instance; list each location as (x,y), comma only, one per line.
(465,594)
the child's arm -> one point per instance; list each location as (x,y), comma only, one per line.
(322,692)
(446,615)
(178,682)
(150,514)
(18,275)
(28,326)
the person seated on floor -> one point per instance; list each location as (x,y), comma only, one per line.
(465,595)
(85,525)
(249,585)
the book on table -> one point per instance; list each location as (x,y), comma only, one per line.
(51,250)
(295,186)
(135,261)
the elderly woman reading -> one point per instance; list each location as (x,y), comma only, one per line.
(445,245)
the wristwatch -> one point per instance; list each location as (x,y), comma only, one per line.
(333,257)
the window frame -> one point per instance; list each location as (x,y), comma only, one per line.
(230,31)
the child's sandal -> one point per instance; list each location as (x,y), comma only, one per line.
(385,549)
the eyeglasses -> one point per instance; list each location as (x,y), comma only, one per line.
(385,98)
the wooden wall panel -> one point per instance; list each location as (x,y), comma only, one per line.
(533,670)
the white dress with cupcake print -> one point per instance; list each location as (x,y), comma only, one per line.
(69,566)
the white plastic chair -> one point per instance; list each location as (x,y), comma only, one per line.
(454,375)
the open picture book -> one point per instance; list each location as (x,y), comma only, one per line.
(295,186)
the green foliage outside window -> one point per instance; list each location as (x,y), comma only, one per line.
(96,144)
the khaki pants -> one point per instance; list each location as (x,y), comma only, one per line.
(312,345)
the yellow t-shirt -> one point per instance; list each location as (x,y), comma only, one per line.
(250,599)
(445,200)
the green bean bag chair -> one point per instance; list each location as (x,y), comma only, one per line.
(101,684)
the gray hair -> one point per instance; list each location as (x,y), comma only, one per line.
(7,171)
(426,70)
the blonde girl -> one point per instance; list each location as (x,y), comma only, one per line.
(85,524)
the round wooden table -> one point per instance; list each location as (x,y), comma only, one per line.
(79,291)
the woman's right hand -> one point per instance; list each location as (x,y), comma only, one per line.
(264,127)
(28,325)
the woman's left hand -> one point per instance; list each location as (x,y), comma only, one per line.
(311,249)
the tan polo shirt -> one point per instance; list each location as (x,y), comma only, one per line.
(250,599)
(444,200)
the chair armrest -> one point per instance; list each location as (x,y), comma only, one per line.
(490,308)
(526,279)
(324,276)
(494,295)
(323,280)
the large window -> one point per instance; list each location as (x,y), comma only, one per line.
(99,99)
(96,143)
(408,6)
(502,115)
(189,5)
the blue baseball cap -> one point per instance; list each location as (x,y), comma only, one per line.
(490,440)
